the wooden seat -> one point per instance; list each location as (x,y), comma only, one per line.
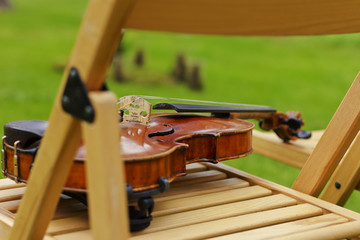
(214,201)
(228,203)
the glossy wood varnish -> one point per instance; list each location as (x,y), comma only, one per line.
(161,149)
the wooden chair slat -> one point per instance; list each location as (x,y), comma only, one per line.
(234,224)
(339,231)
(8,183)
(11,206)
(11,194)
(217,212)
(198,177)
(71,224)
(284,229)
(195,167)
(301,197)
(65,211)
(210,199)
(201,188)
(83,235)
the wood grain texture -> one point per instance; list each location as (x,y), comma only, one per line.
(8,183)
(207,200)
(6,223)
(294,153)
(12,194)
(234,224)
(247,17)
(70,224)
(69,209)
(83,235)
(218,212)
(339,231)
(107,197)
(201,188)
(94,48)
(333,144)
(198,177)
(195,167)
(281,211)
(275,231)
(11,206)
(347,174)
(301,197)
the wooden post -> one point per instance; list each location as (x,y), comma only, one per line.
(105,171)
(95,46)
(333,144)
(345,177)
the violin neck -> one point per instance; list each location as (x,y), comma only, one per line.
(245,112)
(252,115)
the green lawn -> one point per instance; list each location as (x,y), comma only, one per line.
(307,74)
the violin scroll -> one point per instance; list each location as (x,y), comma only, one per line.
(286,125)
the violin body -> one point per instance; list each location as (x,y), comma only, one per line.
(159,150)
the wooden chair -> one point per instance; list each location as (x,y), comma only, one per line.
(212,201)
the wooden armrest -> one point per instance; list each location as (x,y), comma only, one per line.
(294,153)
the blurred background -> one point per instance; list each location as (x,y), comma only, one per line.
(306,74)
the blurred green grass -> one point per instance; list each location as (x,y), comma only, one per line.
(307,74)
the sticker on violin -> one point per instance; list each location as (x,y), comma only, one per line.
(134,109)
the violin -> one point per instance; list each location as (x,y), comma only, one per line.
(155,149)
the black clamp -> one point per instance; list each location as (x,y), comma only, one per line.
(163,186)
(75,99)
(141,219)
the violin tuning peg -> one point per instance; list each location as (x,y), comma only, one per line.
(294,123)
(303,134)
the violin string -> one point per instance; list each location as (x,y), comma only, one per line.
(120,101)
(203,101)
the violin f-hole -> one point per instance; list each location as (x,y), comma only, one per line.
(163,133)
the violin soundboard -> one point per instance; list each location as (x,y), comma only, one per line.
(210,202)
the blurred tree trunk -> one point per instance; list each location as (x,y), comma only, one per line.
(5,4)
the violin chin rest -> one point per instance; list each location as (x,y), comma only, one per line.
(25,131)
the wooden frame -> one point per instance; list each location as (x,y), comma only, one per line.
(96,43)
(333,144)
(246,17)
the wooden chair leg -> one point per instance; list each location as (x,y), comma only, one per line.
(333,144)
(97,41)
(345,177)
(105,171)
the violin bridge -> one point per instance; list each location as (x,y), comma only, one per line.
(134,109)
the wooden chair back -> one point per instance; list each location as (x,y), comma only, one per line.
(245,17)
